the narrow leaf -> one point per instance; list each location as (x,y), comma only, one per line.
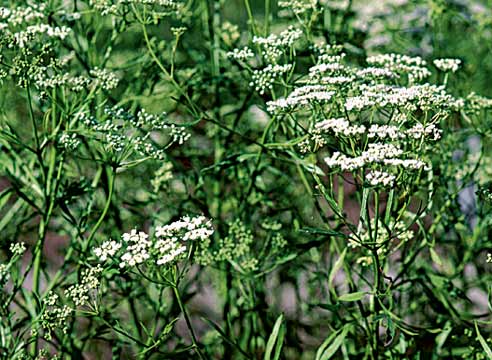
(338,264)
(333,348)
(276,336)
(482,341)
(435,257)
(225,337)
(355,296)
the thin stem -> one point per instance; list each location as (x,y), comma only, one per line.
(188,322)
(31,115)
(377,291)
(195,112)
(111,177)
(250,17)
(267,17)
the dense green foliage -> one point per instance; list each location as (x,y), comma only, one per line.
(217,179)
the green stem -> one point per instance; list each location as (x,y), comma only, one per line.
(377,291)
(267,17)
(188,322)
(51,197)
(59,273)
(154,57)
(250,17)
(111,177)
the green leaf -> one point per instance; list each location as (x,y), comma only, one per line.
(5,196)
(225,337)
(338,264)
(329,232)
(435,257)
(247,156)
(328,307)
(325,352)
(276,337)
(277,263)
(355,296)
(442,337)
(363,209)
(389,206)
(11,213)
(313,169)
(482,341)
(169,327)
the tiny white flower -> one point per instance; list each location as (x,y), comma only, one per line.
(447,65)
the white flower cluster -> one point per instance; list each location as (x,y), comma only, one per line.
(145,148)
(105,7)
(476,103)
(22,38)
(143,118)
(263,79)
(414,67)
(167,246)
(169,4)
(389,237)
(315,138)
(376,72)
(411,98)
(419,131)
(301,96)
(170,249)
(330,68)
(4,274)
(297,7)
(69,142)
(377,153)
(120,132)
(343,127)
(75,83)
(24,24)
(393,132)
(44,79)
(137,247)
(327,49)
(383,178)
(336,80)
(21,15)
(363,86)
(178,134)
(328,56)
(271,49)
(320,87)
(104,78)
(189,228)
(54,317)
(17,249)
(447,64)
(340,126)
(385,131)
(107,250)
(89,282)
(274,46)
(241,54)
